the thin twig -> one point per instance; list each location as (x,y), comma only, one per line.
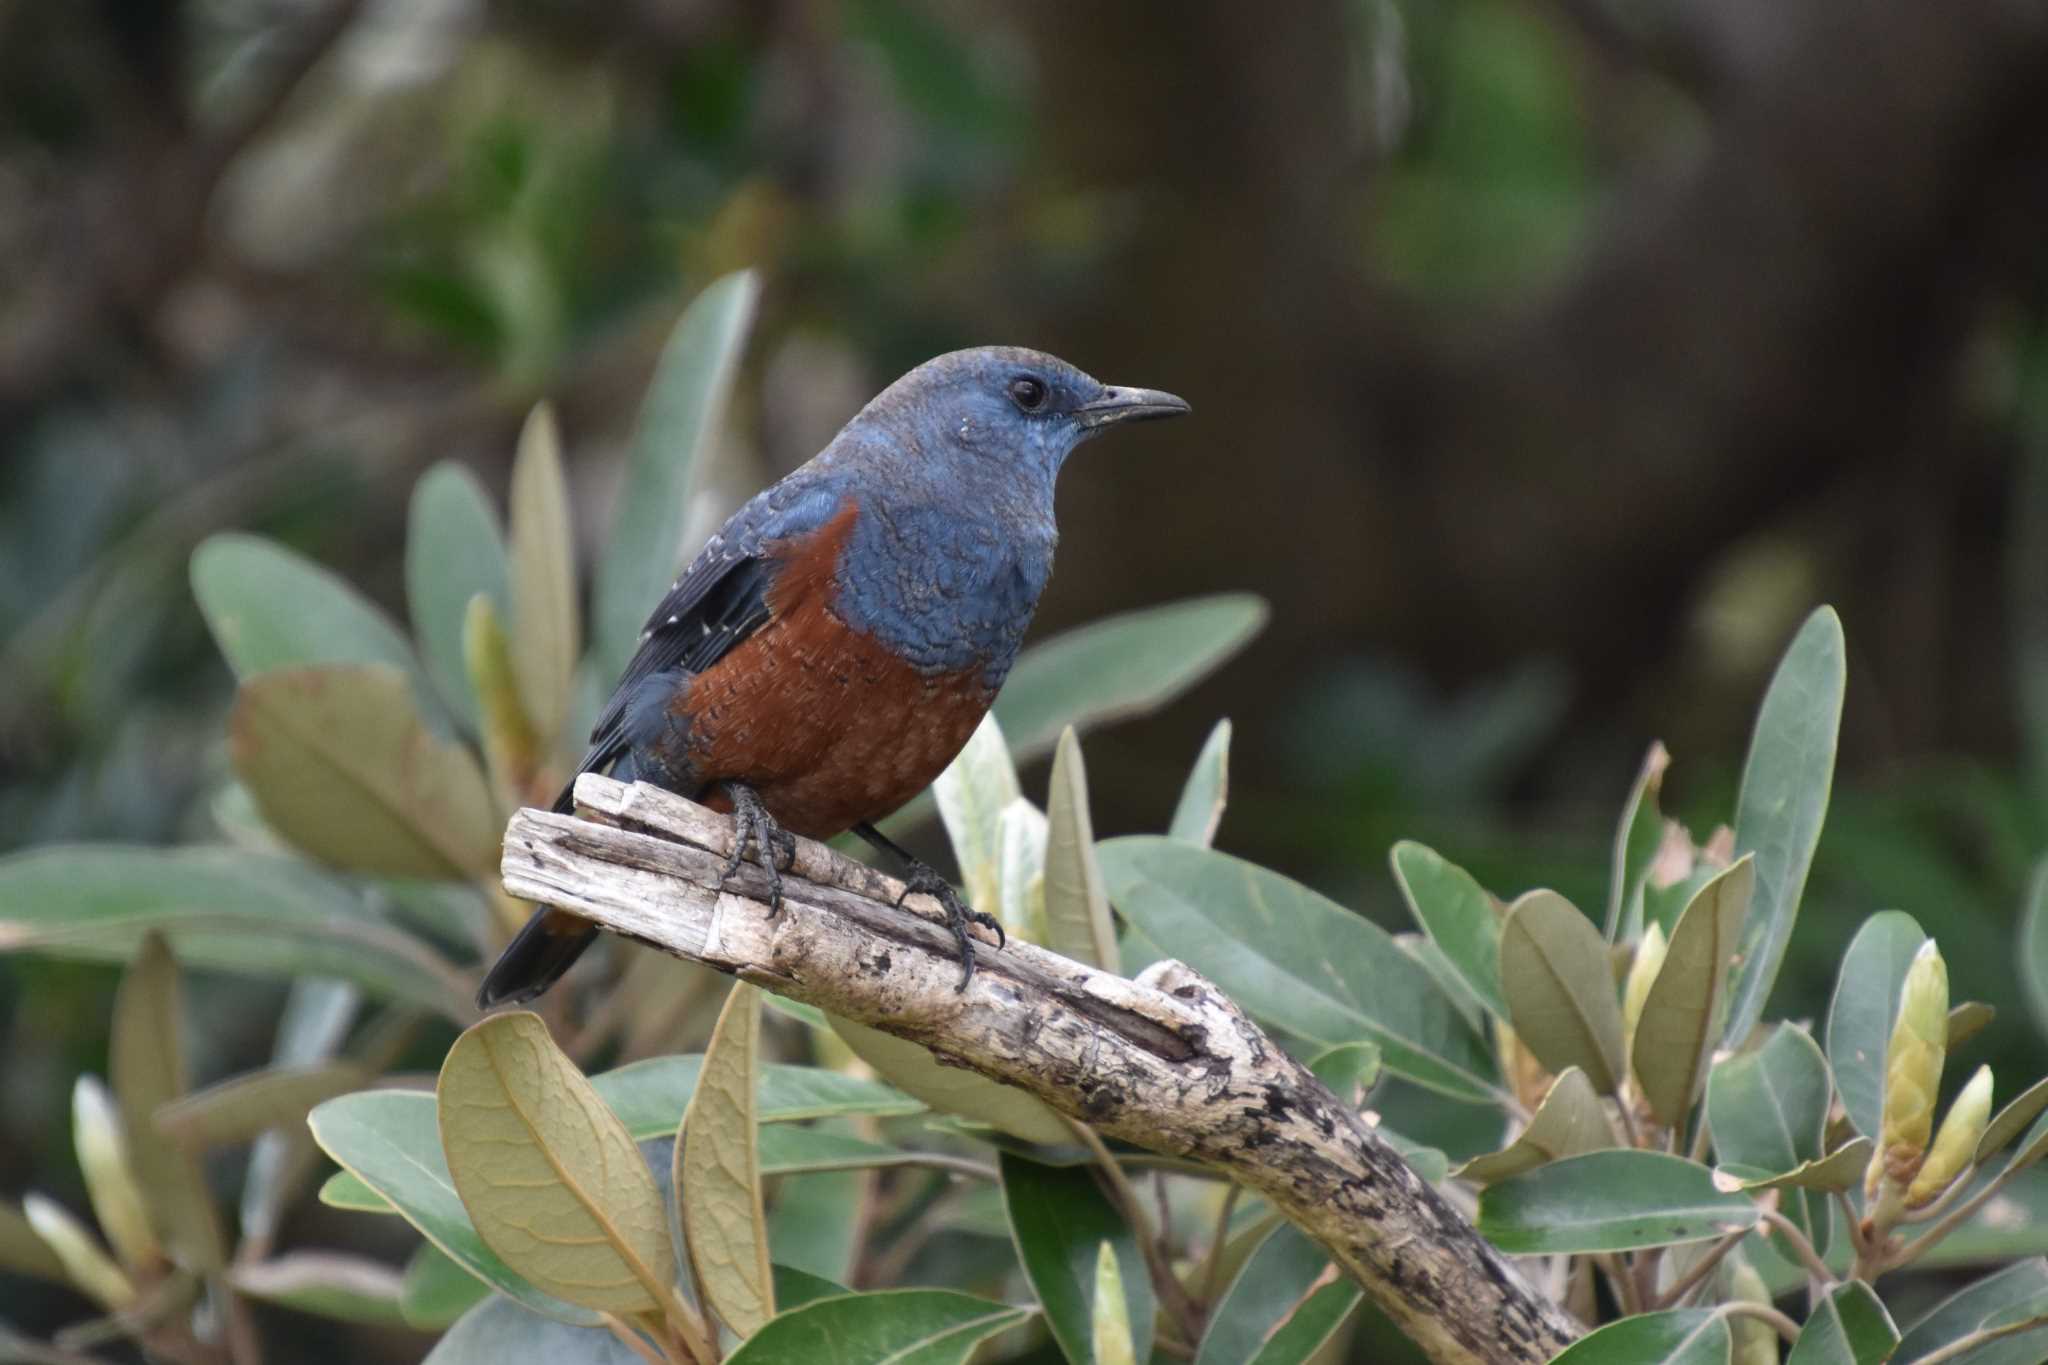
(1963,1345)
(1213,1271)
(1682,1286)
(1808,1257)
(1619,1282)
(1960,1214)
(1763,1312)
(1171,1291)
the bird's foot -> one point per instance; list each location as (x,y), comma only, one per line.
(920,880)
(752,824)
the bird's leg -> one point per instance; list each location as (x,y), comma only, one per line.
(920,880)
(752,823)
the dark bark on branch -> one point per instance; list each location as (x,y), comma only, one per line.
(1166,1062)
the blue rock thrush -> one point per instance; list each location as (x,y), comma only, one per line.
(834,645)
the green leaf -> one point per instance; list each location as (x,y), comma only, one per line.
(1349,1069)
(787,1150)
(718,1173)
(312,1028)
(1838,1171)
(1124,666)
(436,1291)
(893,1327)
(1769,1109)
(951,1089)
(345,1190)
(794,1288)
(1110,1327)
(1020,842)
(650,1096)
(972,793)
(389,1141)
(146,1068)
(325,1283)
(816,1224)
(24,1252)
(269,607)
(1977,1306)
(118,1204)
(1681,1019)
(1273,1284)
(546,631)
(221,908)
(2033,945)
(1610,1201)
(1457,914)
(87,1267)
(1058,1217)
(1077,921)
(453,551)
(1635,847)
(1783,801)
(1849,1327)
(1199,811)
(1559,987)
(1679,1336)
(1570,1121)
(1297,960)
(1302,1337)
(552,1180)
(1861,1014)
(340,764)
(237,1109)
(1967,1020)
(500,1332)
(512,750)
(2009,1122)
(684,405)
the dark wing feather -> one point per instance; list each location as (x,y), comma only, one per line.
(718,602)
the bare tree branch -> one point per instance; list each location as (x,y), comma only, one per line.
(1166,1062)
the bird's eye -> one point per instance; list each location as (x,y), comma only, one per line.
(1028,392)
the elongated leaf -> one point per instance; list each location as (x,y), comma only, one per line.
(237,1109)
(1020,841)
(325,1283)
(1199,812)
(315,1023)
(500,1332)
(1682,1015)
(1296,959)
(1058,1218)
(1861,1014)
(546,633)
(117,1200)
(650,1096)
(1635,846)
(1610,1201)
(951,1089)
(1110,1341)
(146,1066)
(552,1180)
(795,1288)
(1837,1171)
(388,1140)
(453,551)
(2009,1122)
(972,793)
(816,1223)
(1568,1122)
(436,1291)
(684,405)
(1124,666)
(1849,1327)
(269,607)
(87,1267)
(2033,945)
(1077,918)
(1349,1069)
(24,1252)
(1458,916)
(1769,1110)
(1783,801)
(718,1173)
(1980,1305)
(220,908)
(1559,988)
(345,1190)
(892,1327)
(1678,1336)
(512,749)
(340,764)
(1967,1020)
(1273,1284)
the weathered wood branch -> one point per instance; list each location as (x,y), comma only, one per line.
(1166,1062)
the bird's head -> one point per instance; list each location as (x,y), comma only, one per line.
(1003,407)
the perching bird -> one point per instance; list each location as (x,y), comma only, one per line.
(836,643)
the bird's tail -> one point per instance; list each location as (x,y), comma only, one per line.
(535,958)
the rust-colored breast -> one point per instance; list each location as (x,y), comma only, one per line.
(824,722)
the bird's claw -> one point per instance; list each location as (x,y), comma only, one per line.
(753,825)
(922,881)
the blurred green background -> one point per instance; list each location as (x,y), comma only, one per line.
(1550,359)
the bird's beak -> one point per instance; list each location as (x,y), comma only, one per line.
(1128,405)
